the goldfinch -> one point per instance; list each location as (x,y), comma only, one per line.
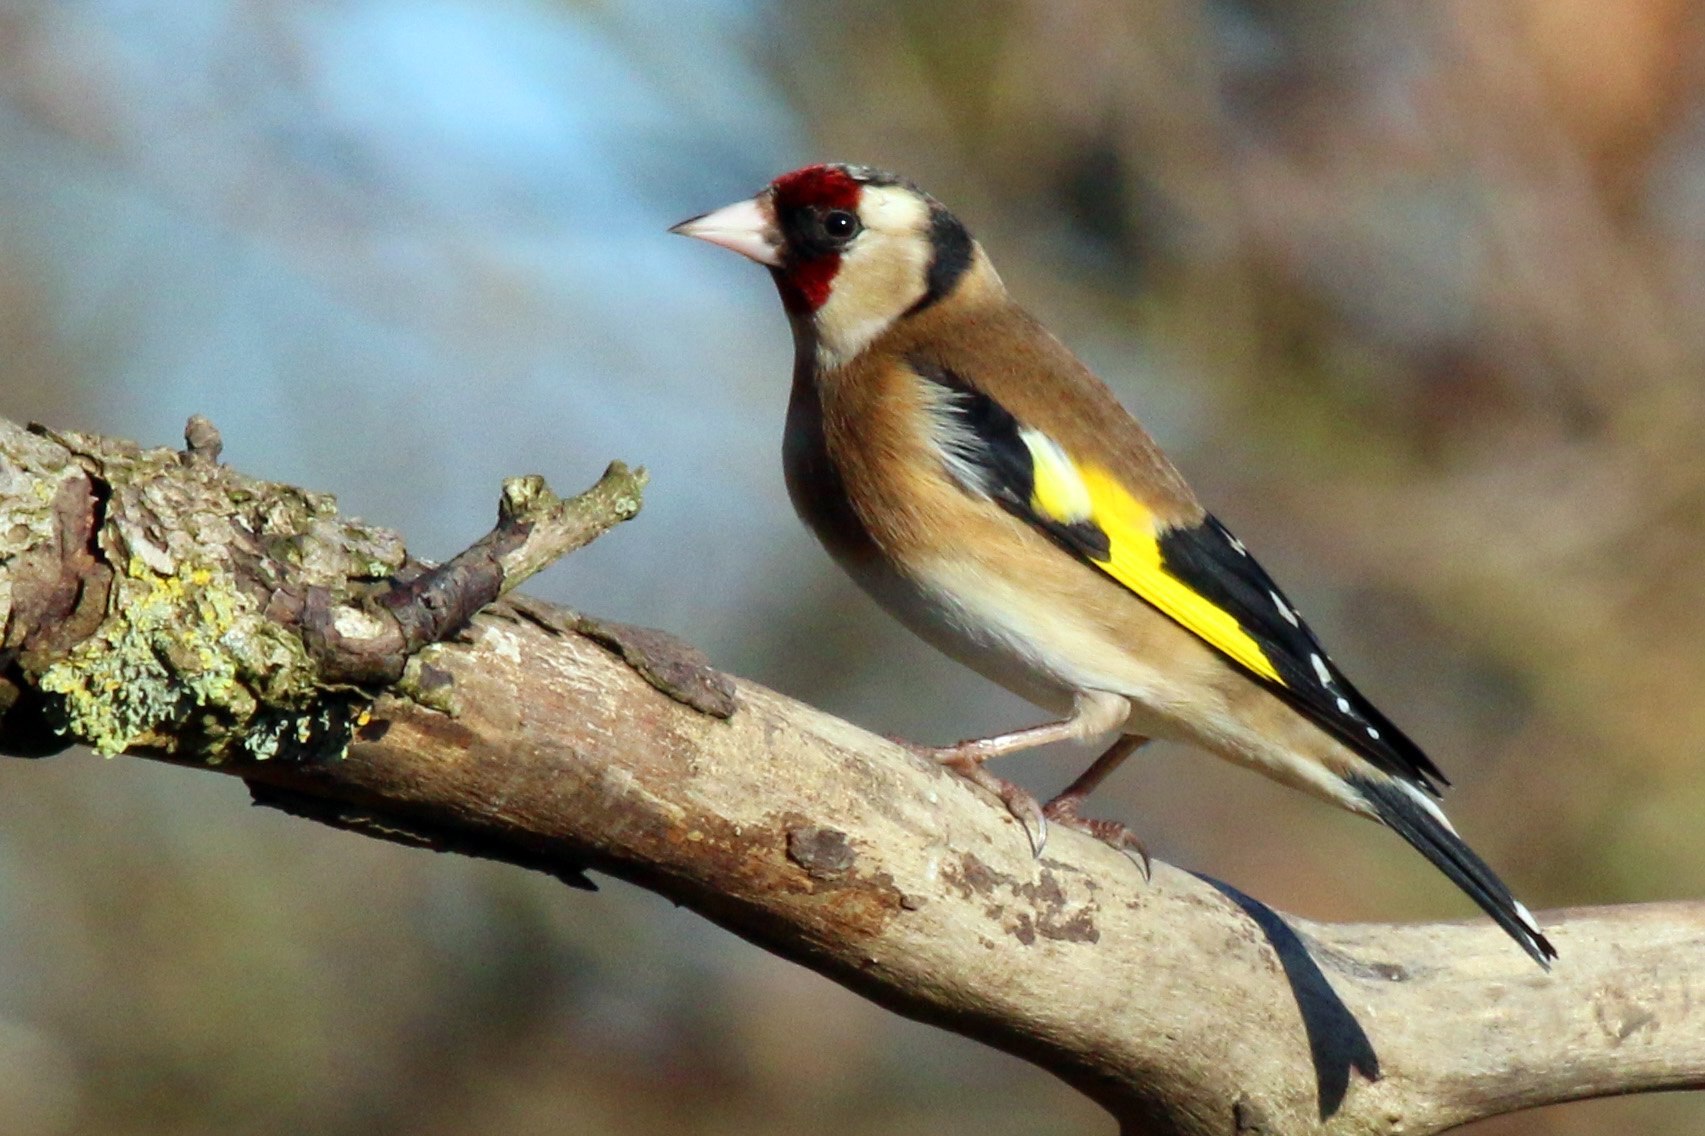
(990,492)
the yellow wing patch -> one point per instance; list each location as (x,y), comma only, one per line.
(1058,490)
(1069,494)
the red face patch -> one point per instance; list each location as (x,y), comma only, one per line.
(805,286)
(821,187)
(801,198)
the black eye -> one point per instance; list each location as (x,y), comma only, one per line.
(840,225)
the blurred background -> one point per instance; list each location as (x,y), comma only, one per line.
(1412,292)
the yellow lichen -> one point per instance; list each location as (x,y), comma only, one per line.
(179,646)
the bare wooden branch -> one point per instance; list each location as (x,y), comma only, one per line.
(540,737)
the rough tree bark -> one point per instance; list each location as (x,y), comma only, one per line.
(156,603)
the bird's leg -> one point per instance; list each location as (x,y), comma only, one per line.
(975,751)
(966,759)
(1063,808)
(1092,713)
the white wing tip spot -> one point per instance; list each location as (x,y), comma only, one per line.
(1343,706)
(1285,609)
(1320,671)
(1373,733)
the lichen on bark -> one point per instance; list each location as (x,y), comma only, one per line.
(183,645)
(198,649)
(156,600)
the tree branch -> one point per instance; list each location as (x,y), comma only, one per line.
(157,603)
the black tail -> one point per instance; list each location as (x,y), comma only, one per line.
(1407,814)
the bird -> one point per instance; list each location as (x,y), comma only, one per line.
(983,486)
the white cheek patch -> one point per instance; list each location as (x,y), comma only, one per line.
(891,209)
(882,274)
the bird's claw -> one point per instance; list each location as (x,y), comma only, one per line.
(1018,800)
(1063,810)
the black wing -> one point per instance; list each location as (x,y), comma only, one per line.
(1215,564)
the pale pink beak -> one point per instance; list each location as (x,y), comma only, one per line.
(747,227)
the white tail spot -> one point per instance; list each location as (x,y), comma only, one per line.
(1427,803)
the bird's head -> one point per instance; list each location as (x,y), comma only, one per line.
(852,250)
